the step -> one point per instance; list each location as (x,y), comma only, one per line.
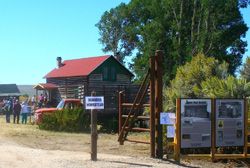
(131,104)
(138,117)
(137,129)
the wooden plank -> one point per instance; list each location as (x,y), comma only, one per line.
(213,130)
(138,117)
(120,114)
(177,138)
(131,104)
(137,129)
(228,156)
(158,102)
(245,128)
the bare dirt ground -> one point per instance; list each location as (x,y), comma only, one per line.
(26,146)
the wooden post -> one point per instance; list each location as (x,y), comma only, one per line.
(120,114)
(177,139)
(213,129)
(152,107)
(158,109)
(245,127)
(93,133)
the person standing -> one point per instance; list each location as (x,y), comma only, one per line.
(33,100)
(7,109)
(41,99)
(24,112)
(16,111)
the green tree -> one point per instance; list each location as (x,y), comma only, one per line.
(189,79)
(184,28)
(112,31)
(245,71)
(231,87)
(204,77)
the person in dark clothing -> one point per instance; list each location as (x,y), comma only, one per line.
(7,109)
(16,112)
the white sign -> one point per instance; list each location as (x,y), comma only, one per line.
(94,102)
(167,118)
(170,131)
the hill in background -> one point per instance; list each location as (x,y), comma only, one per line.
(27,90)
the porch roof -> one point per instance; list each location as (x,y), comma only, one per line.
(45,86)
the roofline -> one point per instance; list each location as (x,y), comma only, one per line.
(111,56)
(108,56)
(10,94)
(100,64)
(86,58)
(67,76)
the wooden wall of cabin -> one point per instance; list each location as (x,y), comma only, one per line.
(110,93)
(108,89)
(121,79)
(79,87)
(71,87)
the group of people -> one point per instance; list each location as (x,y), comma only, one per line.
(12,105)
(42,100)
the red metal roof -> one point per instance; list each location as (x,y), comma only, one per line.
(46,86)
(77,67)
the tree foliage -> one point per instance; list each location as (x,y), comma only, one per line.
(112,31)
(204,77)
(182,28)
(231,87)
(245,71)
(189,78)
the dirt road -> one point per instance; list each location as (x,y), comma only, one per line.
(16,156)
(25,146)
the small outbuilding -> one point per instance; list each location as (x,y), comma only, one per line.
(9,90)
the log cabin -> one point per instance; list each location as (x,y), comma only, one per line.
(77,78)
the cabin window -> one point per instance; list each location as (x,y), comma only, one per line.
(109,74)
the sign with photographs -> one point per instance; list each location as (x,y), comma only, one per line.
(229,122)
(195,123)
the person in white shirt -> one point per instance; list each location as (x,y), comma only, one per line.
(24,112)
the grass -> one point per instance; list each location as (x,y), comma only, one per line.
(31,136)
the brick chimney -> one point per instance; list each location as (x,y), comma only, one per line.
(59,62)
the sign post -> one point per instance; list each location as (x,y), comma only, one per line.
(93,103)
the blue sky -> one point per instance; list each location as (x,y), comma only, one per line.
(34,32)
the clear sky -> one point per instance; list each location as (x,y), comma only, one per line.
(34,32)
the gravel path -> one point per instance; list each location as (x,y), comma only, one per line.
(15,156)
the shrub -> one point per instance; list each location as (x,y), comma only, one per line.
(108,123)
(70,120)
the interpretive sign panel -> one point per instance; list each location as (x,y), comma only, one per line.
(94,102)
(195,123)
(229,122)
